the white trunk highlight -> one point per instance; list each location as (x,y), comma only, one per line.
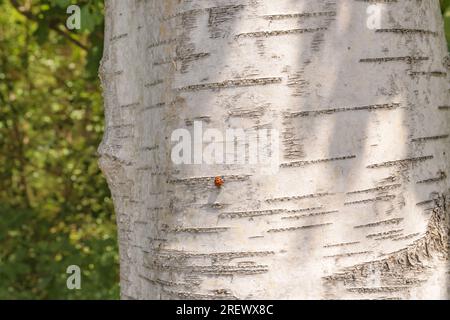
(358,208)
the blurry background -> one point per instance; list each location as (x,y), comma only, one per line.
(55,207)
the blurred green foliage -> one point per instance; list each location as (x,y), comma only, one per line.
(55,207)
(445,6)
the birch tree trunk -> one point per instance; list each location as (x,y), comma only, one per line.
(358,90)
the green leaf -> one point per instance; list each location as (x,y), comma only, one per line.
(62,3)
(87,19)
(42,32)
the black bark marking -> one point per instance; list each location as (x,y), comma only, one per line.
(376,189)
(232,84)
(407,59)
(300,15)
(441,175)
(313,214)
(303,163)
(377,199)
(401,162)
(349,254)
(307,227)
(275,33)
(423,139)
(386,106)
(307,196)
(405,31)
(380,223)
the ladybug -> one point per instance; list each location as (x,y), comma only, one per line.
(218,181)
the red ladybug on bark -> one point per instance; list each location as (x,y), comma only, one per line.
(218,181)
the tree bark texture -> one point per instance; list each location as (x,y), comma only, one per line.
(359,206)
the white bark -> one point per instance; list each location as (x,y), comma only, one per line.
(358,208)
